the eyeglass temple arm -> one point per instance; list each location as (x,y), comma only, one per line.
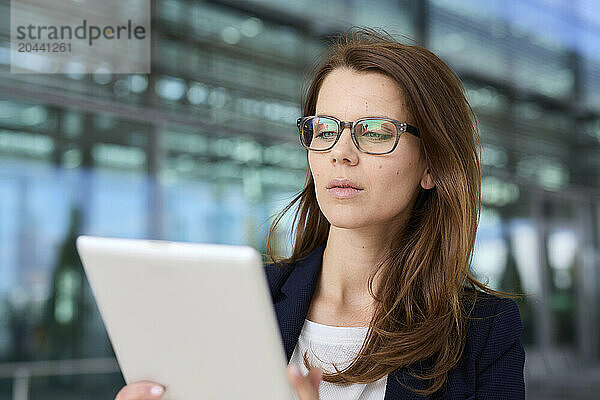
(413,130)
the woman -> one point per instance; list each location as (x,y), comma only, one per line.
(377,300)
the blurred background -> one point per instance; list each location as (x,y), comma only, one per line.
(205,149)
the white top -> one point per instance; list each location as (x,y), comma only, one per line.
(337,344)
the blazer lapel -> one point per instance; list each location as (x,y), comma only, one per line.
(297,292)
(395,390)
(292,308)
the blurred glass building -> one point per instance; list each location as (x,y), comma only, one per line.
(205,149)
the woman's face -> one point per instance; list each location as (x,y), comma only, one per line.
(388,181)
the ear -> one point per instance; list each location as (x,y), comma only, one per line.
(426,181)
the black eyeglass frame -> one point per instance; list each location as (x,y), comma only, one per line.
(401,127)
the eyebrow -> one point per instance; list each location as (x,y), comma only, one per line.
(370,116)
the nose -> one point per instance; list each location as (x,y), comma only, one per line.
(344,150)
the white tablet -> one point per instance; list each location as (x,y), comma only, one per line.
(197,318)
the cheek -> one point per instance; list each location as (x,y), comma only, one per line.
(406,169)
(397,177)
(315,166)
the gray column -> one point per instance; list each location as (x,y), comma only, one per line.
(541,305)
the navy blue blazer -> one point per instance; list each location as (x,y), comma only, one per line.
(491,366)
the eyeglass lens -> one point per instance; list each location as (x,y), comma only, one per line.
(373,135)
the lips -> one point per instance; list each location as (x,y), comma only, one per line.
(343,183)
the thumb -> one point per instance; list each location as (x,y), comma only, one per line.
(303,384)
(314,377)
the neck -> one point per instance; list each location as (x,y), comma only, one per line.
(350,257)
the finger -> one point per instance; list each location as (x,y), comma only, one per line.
(314,377)
(302,384)
(142,390)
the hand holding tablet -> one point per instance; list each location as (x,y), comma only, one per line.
(307,387)
(196,319)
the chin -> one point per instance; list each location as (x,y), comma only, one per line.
(341,225)
(346,220)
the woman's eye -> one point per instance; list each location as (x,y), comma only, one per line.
(376,135)
(327,134)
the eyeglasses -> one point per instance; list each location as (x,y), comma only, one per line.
(370,135)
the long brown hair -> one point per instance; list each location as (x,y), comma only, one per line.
(420,313)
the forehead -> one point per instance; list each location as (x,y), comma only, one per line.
(347,94)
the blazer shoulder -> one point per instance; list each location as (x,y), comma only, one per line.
(488,307)
(493,325)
